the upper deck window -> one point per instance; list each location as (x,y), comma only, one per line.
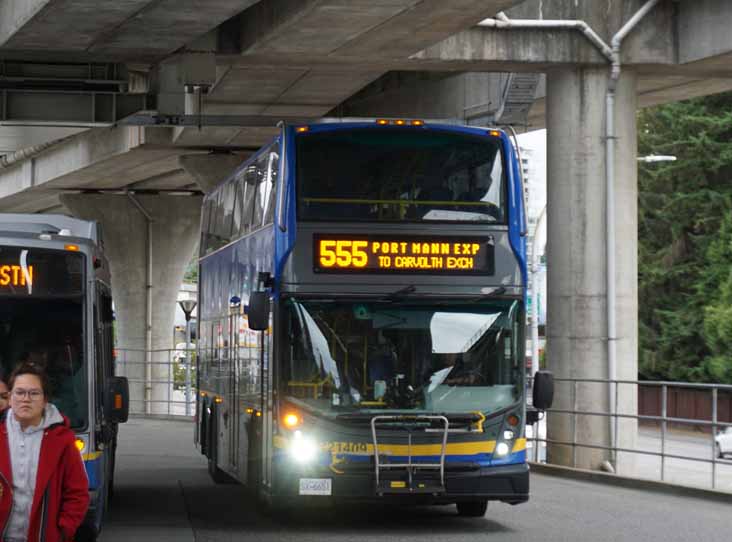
(400,174)
(242,204)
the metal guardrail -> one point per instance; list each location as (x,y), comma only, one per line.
(161,383)
(158,387)
(664,420)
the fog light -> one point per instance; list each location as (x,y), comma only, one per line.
(508,435)
(291,420)
(502,449)
(303,449)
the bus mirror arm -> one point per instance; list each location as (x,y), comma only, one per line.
(532,415)
(105,434)
(117,400)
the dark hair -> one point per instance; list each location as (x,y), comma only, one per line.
(30,369)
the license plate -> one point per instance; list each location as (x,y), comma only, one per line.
(315,486)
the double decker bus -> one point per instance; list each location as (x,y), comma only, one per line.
(56,311)
(362,315)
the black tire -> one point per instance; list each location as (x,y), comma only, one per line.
(217,475)
(86,533)
(113,461)
(718,451)
(254,461)
(472,509)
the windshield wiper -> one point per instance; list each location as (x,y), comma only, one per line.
(402,292)
(493,293)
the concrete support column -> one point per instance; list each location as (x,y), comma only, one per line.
(208,170)
(576,262)
(175,229)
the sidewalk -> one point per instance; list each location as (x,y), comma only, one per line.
(686,443)
(153,458)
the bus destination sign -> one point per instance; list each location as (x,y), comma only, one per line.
(386,254)
(39,272)
(15,275)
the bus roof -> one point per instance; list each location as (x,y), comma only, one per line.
(53,224)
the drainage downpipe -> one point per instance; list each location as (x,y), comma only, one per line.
(13,158)
(148,304)
(610,137)
(502,21)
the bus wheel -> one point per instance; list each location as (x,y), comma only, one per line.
(86,533)
(113,463)
(472,509)
(217,475)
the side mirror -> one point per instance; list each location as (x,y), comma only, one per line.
(543,390)
(117,400)
(258,312)
(532,416)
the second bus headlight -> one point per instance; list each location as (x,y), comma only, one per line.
(303,449)
(502,449)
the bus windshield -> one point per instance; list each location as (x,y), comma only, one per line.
(41,321)
(400,175)
(346,356)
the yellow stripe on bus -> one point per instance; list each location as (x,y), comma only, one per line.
(519,445)
(91,456)
(360,448)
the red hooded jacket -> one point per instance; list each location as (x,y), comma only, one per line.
(61,496)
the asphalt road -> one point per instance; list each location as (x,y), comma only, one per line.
(164,494)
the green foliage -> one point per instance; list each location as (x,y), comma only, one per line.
(179,374)
(685,241)
(191,274)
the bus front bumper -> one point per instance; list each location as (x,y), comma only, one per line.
(506,483)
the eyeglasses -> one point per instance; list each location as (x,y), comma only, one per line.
(33,394)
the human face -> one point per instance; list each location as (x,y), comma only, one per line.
(4,397)
(27,409)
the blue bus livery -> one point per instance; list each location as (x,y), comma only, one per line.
(362,315)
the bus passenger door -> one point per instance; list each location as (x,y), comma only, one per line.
(266,362)
(233,389)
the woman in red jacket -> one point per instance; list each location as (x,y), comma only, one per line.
(44,492)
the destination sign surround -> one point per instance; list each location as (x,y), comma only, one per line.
(40,272)
(387,254)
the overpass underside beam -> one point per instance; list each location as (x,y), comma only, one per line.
(48,107)
(173,236)
(576,249)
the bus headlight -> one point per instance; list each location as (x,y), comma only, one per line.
(303,449)
(502,449)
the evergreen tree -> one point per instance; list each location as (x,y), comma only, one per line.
(685,241)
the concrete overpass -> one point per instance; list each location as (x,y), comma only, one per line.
(127,111)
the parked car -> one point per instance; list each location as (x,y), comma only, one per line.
(723,442)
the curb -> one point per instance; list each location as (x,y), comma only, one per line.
(631,483)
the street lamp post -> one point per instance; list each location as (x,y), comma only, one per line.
(656,158)
(535,260)
(188,306)
(534,269)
